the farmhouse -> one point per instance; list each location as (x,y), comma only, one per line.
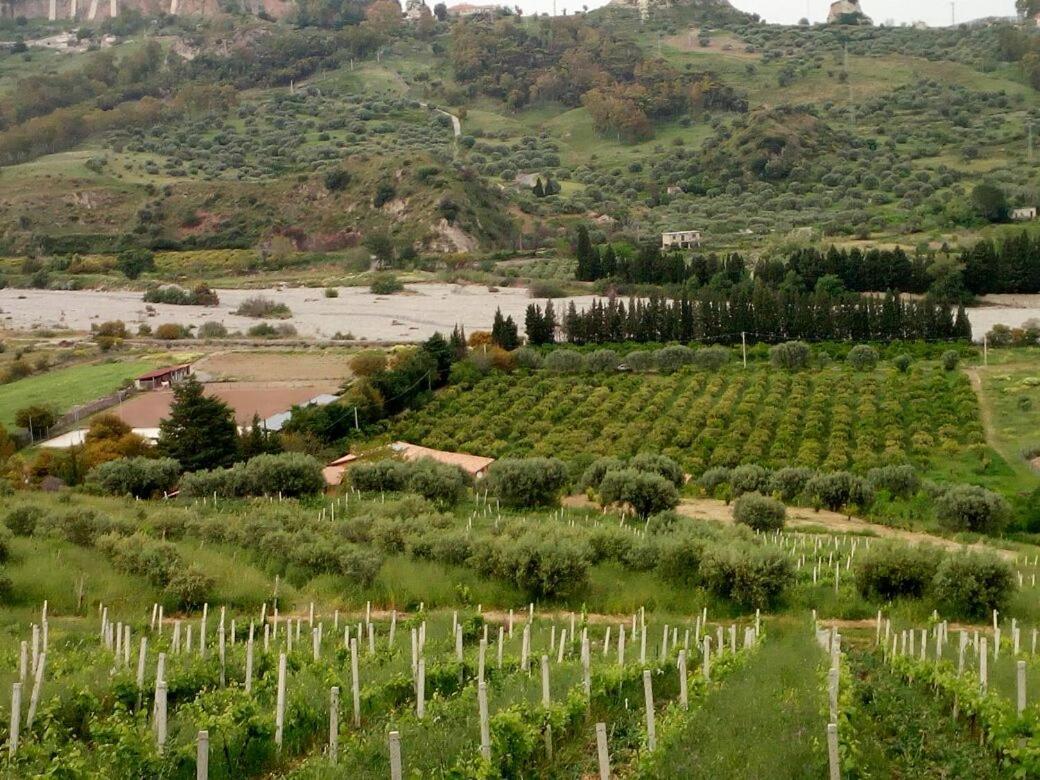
(469,9)
(474,465)
(681,239)
(334,471)
(163,377)
(1024,214)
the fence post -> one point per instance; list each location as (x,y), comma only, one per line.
(1021,669)
(601,751)
(832,691)
(832,751)
(485,729)
(160,715)
(34,697)
(420,690)
(546,699)
(684,700)
(333,723)
(279,714)
(16,707)
(706,664)
(202,757)
(651,730)
(355,685)
(395,756)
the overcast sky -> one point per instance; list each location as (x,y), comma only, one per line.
(934,12)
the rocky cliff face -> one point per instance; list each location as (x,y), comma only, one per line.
(98,10)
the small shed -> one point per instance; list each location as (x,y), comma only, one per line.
(1027,214)
(163,377)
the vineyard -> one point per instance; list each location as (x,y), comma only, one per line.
(833,419)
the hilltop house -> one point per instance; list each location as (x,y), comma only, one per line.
(681,239)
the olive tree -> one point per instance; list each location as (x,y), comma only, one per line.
(646,492)
(972,508)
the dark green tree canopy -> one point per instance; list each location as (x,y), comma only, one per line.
(200,432)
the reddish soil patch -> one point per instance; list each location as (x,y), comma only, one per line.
(148,409)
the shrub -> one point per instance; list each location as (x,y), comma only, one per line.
(602,361)
(752,577)
(759,512)
(598,469)
(839,490)
(712,358)
(529,358)
(713,478)
(259,307)
(641,555)
(385,284)
(972,585)
(382,475)
(545,567)
(189,589)
(790,482)
(749,478)
(671,359)
(289,474)
(212,330)
(527,482)
(890,571)
(659,464)
(863,357)
(5,543)
(791,355)
(138,477)
(172,331)
(646,492)
(950,359)
(22,520)
(902,363)
(679,560)
(565,361)
(900,481)
(438,482)
(972,508)
(640,361)
(358,564)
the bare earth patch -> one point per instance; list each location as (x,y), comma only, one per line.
(260,366)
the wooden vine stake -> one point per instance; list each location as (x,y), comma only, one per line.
(651,730)
(202,757)
(34,697)
(684,699)
(279,713)
(160,715)
(1021,701)
(601,751)
(485,727)
(16,707)
(420,689)
(395,756)
(832,751)
(355,684)
(333,723)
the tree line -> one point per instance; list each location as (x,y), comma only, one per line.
(759,313)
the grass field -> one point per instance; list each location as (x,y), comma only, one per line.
(68,387)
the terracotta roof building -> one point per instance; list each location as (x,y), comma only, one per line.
(163,377)
(474,465)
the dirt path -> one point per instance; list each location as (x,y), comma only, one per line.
(984,411)
(802,517)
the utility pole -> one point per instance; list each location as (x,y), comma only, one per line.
(357,426)
(1029,128)
(953,14)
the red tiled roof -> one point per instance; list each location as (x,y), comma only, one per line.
(163,372)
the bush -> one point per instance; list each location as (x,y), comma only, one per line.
(138,477)
(385,284)
(545,567)
(172,331)
(5,543)
(712,358)
(902,363)
(949,360)
(752,577)
(759,512)
(790,482)
(900,481)
(891,571)
(791,355)
(972,585)
(380,476)
(646,492)
(189,589)
(602,361)
(22,520)
(594,474)
(212,330)
(972,508)
(527,482)
(438,482)
(259,307)
(289,474)
(671,359)
(358,564)
(840,490)
(659,464)
(529,358)
(565,361)
(749,478)
(640,361)
(679,560)
(713,478)
(863,357)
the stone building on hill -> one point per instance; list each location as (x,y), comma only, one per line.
(847,12)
